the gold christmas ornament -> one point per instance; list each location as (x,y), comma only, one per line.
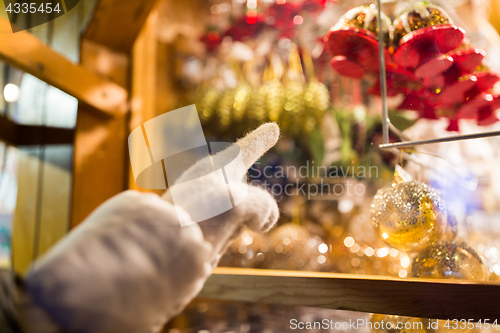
(275,99)
(245,251)
(408,215)
(449,260)
(381,323)
(225,109)
(316,96)
(257,104)
(317,100)
(241,101)
(293,108)
(292,247)
(294,102)
(208,99)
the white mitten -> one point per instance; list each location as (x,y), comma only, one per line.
(130,266)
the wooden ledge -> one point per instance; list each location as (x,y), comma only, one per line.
(440,299)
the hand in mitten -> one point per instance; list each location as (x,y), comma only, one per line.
(130,266)
(257,211)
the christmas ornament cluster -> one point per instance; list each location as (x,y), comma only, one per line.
(280,17)
(283,95)
(298,247)
(428,59)
(318,237)
(270,48)
(411,216)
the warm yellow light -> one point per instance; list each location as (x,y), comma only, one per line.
(369,251)
(11,92)
(382,252)
(349,241)
(405,261)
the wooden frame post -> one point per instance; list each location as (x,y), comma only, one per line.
(101,153)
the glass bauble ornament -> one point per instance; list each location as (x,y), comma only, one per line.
(257,104)
(292,247)
(275,99)
(225,108)
(353,42)
(381,323)
(422,36)
(293,108)
(408,215)
(420,15)
(364,17)
(241,101)
(206,102)
(449,260)
(317,101)
(245,251)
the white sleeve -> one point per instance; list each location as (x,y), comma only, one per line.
(128,267)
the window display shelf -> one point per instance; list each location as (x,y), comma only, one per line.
(440,299)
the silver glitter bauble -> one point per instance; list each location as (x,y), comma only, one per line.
(408,215)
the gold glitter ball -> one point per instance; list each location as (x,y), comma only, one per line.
(449,260)
(410,216)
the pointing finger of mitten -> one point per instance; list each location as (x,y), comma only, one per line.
(255,144)
(252,147)
(259,211)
